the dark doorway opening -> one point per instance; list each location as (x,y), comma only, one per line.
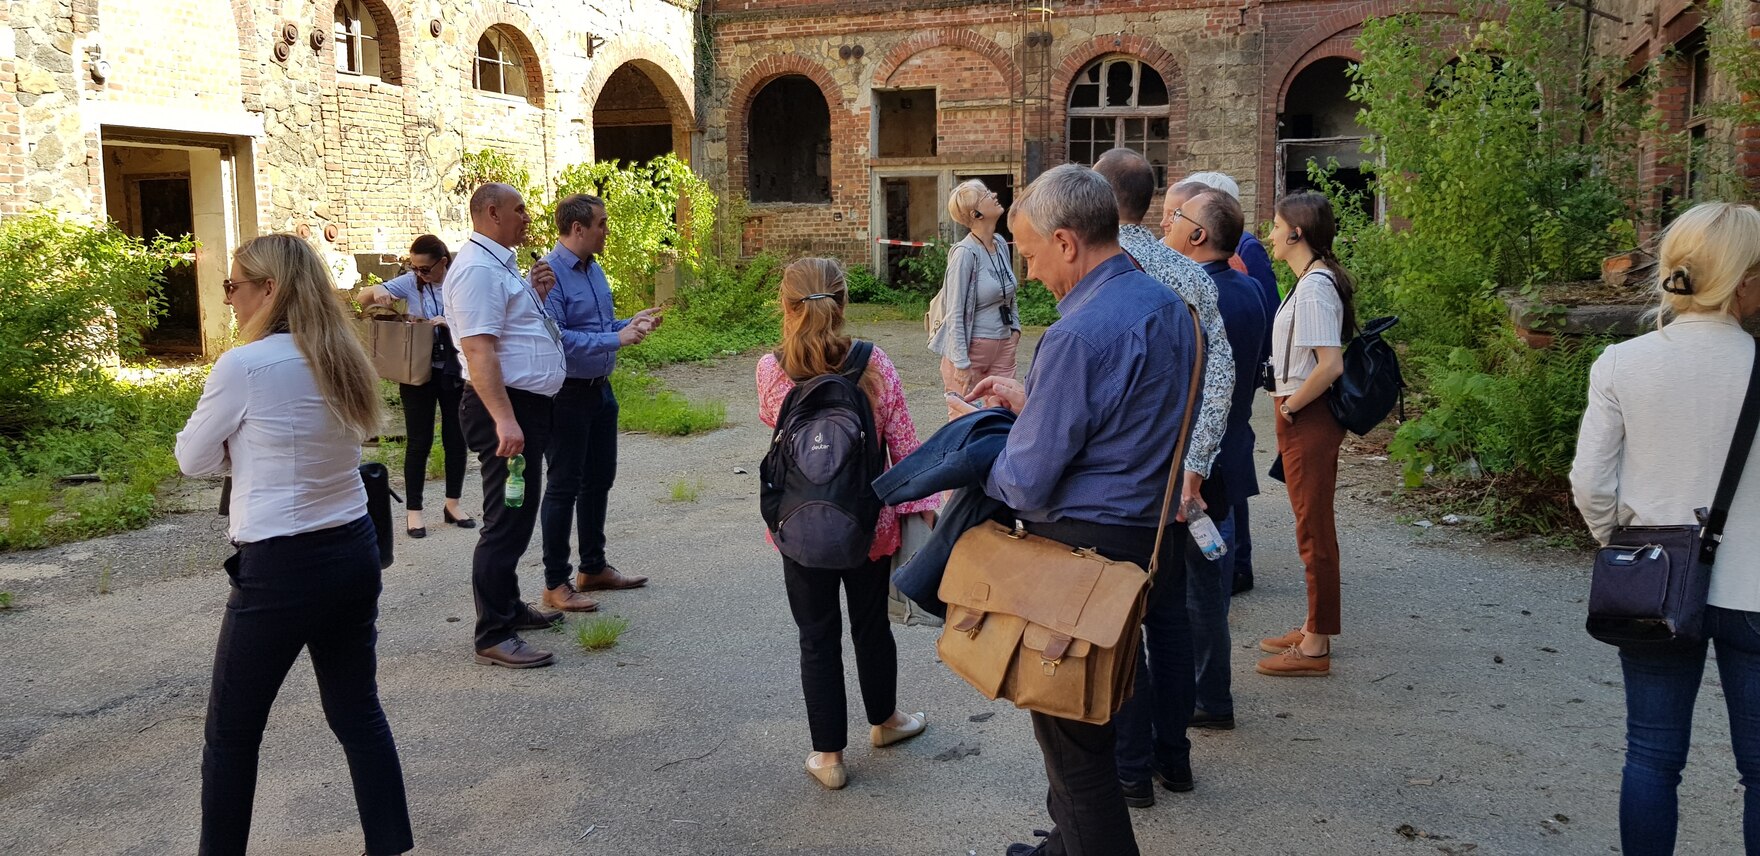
(913,213)
(788,142)
(166,211)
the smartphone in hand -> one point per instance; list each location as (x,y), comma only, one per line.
(959,404)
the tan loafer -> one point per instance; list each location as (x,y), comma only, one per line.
(1292,663)
(1280,644)
(565,598)
(831,776)
(608,578)
(515,654)
(880,735)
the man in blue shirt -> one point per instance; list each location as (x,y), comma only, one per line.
(1209,228)
(1088,458)
(582,455)
(1249,258)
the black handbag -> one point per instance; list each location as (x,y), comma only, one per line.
(377,480)
(1650,582)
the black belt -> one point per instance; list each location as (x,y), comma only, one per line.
(585,382)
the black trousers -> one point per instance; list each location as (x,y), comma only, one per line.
(1086,804)
(506,532)
(317,591)
(812,597)
(583,464)
(444,390)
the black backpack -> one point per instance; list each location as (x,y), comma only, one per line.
(1371,384)
(817,494)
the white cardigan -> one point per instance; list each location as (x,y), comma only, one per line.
(1662,409)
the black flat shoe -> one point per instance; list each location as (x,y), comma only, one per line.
(460,522)
(1138,794)
(1243,583)
(1205,719)
(419,532)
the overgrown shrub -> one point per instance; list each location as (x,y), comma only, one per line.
(723,309)
(73,298)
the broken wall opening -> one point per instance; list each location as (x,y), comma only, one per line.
(1319,124)
(905,123)
(631,120)
(788,142)
(913,214)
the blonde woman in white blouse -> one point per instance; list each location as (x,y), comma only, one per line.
(285,414)
(1662,412)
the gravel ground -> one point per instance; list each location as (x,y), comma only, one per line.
(1468,712)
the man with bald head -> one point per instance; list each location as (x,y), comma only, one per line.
(512,369)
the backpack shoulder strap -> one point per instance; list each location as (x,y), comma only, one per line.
(856,361)
(1711,533)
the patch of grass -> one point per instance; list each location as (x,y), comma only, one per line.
(120,427)
(644,404)
(389,452)
(684,491)
(104,578)
(5,600)
(600,631)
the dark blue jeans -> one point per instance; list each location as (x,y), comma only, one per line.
(1208,589)
(1661,688)
(1242,548)
(317,592)
(1152,723)
(582,458)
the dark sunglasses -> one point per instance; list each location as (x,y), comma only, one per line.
(231,285)
(424,270)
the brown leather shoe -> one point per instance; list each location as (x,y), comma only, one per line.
(514,654)
(608,578)
(565,598)
(1292,663)
(1280,644)
(536,619)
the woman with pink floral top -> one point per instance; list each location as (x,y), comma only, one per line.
(814,294)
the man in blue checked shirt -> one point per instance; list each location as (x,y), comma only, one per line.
(582,455)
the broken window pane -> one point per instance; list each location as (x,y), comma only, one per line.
(1121,84)
(1152,91)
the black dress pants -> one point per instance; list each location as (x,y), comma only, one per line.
(812,597)
(419,402)
(506,532)
(1086,804)
(317,591)
(583,464)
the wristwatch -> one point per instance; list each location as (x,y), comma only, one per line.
(1284,409)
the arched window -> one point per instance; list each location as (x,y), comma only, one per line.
(500,68)
(788,142)
(1119,102)
(357,39)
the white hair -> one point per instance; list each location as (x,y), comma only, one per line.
(1216,181)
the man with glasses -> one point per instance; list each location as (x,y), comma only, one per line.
(1206,227)
(1152,724)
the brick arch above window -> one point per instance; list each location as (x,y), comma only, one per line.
(520,29)
(739,106)
(385,41)
(1341,46)
(946,37)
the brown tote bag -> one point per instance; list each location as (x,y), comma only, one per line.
(1051,628)
(402,348)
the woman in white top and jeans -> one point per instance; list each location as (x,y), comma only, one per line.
(980,326)
(285,414)
(1662,412)
(1307,339)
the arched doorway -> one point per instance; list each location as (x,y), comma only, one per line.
(636,117)
(788,142)
(1319,123)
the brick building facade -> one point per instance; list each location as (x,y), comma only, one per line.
(344,120)
(1253,88)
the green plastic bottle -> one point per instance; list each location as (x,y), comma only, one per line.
(514,495)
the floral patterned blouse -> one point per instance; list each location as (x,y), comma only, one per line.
(893,419)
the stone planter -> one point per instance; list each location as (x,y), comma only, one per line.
(1540,324)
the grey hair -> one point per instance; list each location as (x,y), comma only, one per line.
(491,194)
(577,208)
(1217,181)
(1071,197)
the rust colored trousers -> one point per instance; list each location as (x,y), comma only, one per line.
(1309,447)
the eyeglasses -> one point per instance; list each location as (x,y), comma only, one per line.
(231,285)
(424,270)
(1181,215)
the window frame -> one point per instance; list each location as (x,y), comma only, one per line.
(505,46)
(1121,118)
(1698,121)
(352,19)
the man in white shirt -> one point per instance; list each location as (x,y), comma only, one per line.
(512,368)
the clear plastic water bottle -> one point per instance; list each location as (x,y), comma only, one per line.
(514,494)
(1204,532)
